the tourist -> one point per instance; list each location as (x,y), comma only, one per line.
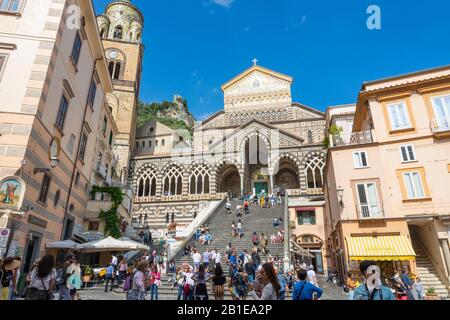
(188,283)
(218,281)
(312,278)
(8,278)
(239,229)
(187,250)
(197,259)
(272,287)
(290,279)
(262,203)
(240,286)
(408,284)
(110,275)
(418,288)
(246,207)
(228,206)
(123,266)
(137,291)
(256,258)
(304,290)
(233,260)
(351,286)
(255,239)
(206,259)
(272,200)
(43,279)
(180,281)
(233,229)
(259,283)
(267,201)
(155,282)
(218,258)
(263,243)
(249,268)
(114,261)
(282,282)
(200,279)
(379,292)
(74,280)
(64,292)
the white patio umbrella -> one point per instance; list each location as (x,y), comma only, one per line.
(67,244)
(111,244)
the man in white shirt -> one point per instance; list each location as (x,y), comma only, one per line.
(218,257)
(197,259)
(213,260)
(312,276)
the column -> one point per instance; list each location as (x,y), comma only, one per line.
(242,175)
(446,251)
(271,183)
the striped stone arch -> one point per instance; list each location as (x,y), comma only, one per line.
(173,177)
(141,170)
(225,161)
(250,134)
(312,160)
(289,156)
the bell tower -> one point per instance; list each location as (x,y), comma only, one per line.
(121,27)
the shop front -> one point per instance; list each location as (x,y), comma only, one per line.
(392,253)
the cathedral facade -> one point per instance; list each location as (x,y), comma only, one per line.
(261,139)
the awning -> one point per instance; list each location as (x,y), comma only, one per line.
(382,248)
(303,209)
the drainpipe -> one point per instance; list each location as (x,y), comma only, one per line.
(69,194)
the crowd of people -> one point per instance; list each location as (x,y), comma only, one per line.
(203,235)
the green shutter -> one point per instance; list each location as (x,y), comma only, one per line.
(299,218)
(312,217)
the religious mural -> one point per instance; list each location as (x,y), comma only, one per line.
(10,192)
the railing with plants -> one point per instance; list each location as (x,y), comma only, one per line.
(111,217)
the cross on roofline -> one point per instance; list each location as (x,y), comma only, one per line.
(254,61)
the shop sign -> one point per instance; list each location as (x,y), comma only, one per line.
(37,221)
(13,249)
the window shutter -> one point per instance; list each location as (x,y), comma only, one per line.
(300,218)
(312,217)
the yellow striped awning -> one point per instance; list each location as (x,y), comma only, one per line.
(380,248)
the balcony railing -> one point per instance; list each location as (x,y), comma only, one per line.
(370,211)
(355,138)
(440,125)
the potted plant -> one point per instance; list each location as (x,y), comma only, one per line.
(87,274)
(431,294)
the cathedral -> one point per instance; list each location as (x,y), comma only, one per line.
(261,139)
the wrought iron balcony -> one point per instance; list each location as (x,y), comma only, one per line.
(355,138)
(371,211)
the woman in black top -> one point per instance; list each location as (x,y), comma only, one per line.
(218,281)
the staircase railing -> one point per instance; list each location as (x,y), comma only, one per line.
(180,249)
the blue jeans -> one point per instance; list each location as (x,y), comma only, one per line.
(251,278)
(64,293)
(154,292)
(282,295)
(180,292)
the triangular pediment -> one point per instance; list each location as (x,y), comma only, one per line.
(257,80)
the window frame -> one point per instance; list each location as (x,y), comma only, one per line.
(413,149)
(45,187)
(360,204)
(83,145)
(75,58)
(19,9)
(359,153)
(424,184)
(410,117)
(312,222)
(57,123)
(3,65)
(92,94)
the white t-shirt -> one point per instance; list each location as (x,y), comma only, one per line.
(114,261)
(311,276)
(239,225)
(218,257)
(197,257)
(213,256)
(37,283)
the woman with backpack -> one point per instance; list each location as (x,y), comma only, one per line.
(200,279)
(42,280)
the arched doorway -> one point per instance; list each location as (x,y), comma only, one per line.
(287,176)
(228,179)
(256,163)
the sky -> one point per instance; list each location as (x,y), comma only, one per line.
(192,47)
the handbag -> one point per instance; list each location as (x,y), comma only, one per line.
(134,294)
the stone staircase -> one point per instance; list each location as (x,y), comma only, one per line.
(426,271)
(259,220)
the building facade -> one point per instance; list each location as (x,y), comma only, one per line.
(54,78)
(386,182)
(261,139)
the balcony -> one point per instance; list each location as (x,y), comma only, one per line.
(102,202)
(353,139)
(369,211)
(440,127)
(100,172)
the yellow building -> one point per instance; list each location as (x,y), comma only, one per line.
(387,181)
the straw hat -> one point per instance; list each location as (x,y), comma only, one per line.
(12,265)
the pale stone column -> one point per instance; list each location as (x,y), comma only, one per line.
(185,189)
(271,183)
(159,186)
(242,176)
(213,183)
(446,251)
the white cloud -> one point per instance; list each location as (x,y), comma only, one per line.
(223,3)
(298,24)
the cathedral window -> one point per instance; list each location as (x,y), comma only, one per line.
(199,180)
(310,137)
(147,184)
(117,71)
(173,181)
(314,172)
(118,33)
(102,33)
(114,69)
